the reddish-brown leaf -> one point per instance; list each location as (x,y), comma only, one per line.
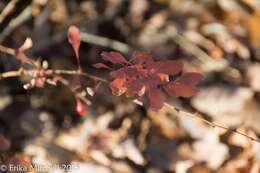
(170,67)
(163,77)
(190,78)
(152,81)
(156,99)
(142,58)
(118,86)
(114,57)
(74,40)
(126,72)
(135,87)
(120,73)
(177,89)
(101,65)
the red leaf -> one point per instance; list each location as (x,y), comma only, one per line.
(142,57)
(163,77)
(118,86)
(74,40)
(190,78)
(120,73)
(155,98)
(135,87)
(152,81)
(101,65)
(126,72)
(177,89)
(169,67)
(114,57)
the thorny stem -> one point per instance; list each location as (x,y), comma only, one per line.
(96,78)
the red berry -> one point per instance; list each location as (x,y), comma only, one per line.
(80,108)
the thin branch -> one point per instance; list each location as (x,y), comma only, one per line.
(73,72)
(10,74)
(50,72)
(211,124)
(11,51)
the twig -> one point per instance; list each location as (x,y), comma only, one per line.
(105,42)
(25,15)
(8,9)
(10,74)
(11,51)
(50,72)
(211,124)
(73,72)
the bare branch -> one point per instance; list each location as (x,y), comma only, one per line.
(211,124)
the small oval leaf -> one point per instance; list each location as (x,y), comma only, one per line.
(118,86)
(101,65)
(177,89)
(170,67)
(74,40)
(155,98)
(114,57)
(190,78)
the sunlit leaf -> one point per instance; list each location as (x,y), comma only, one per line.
(156,99)
(114,57)
(177,89)
(169,67)
(101,65)
(135,88)
(142,57)
(118,86)
(190,78)
(74,40)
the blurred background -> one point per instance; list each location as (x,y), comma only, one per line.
(217,38)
